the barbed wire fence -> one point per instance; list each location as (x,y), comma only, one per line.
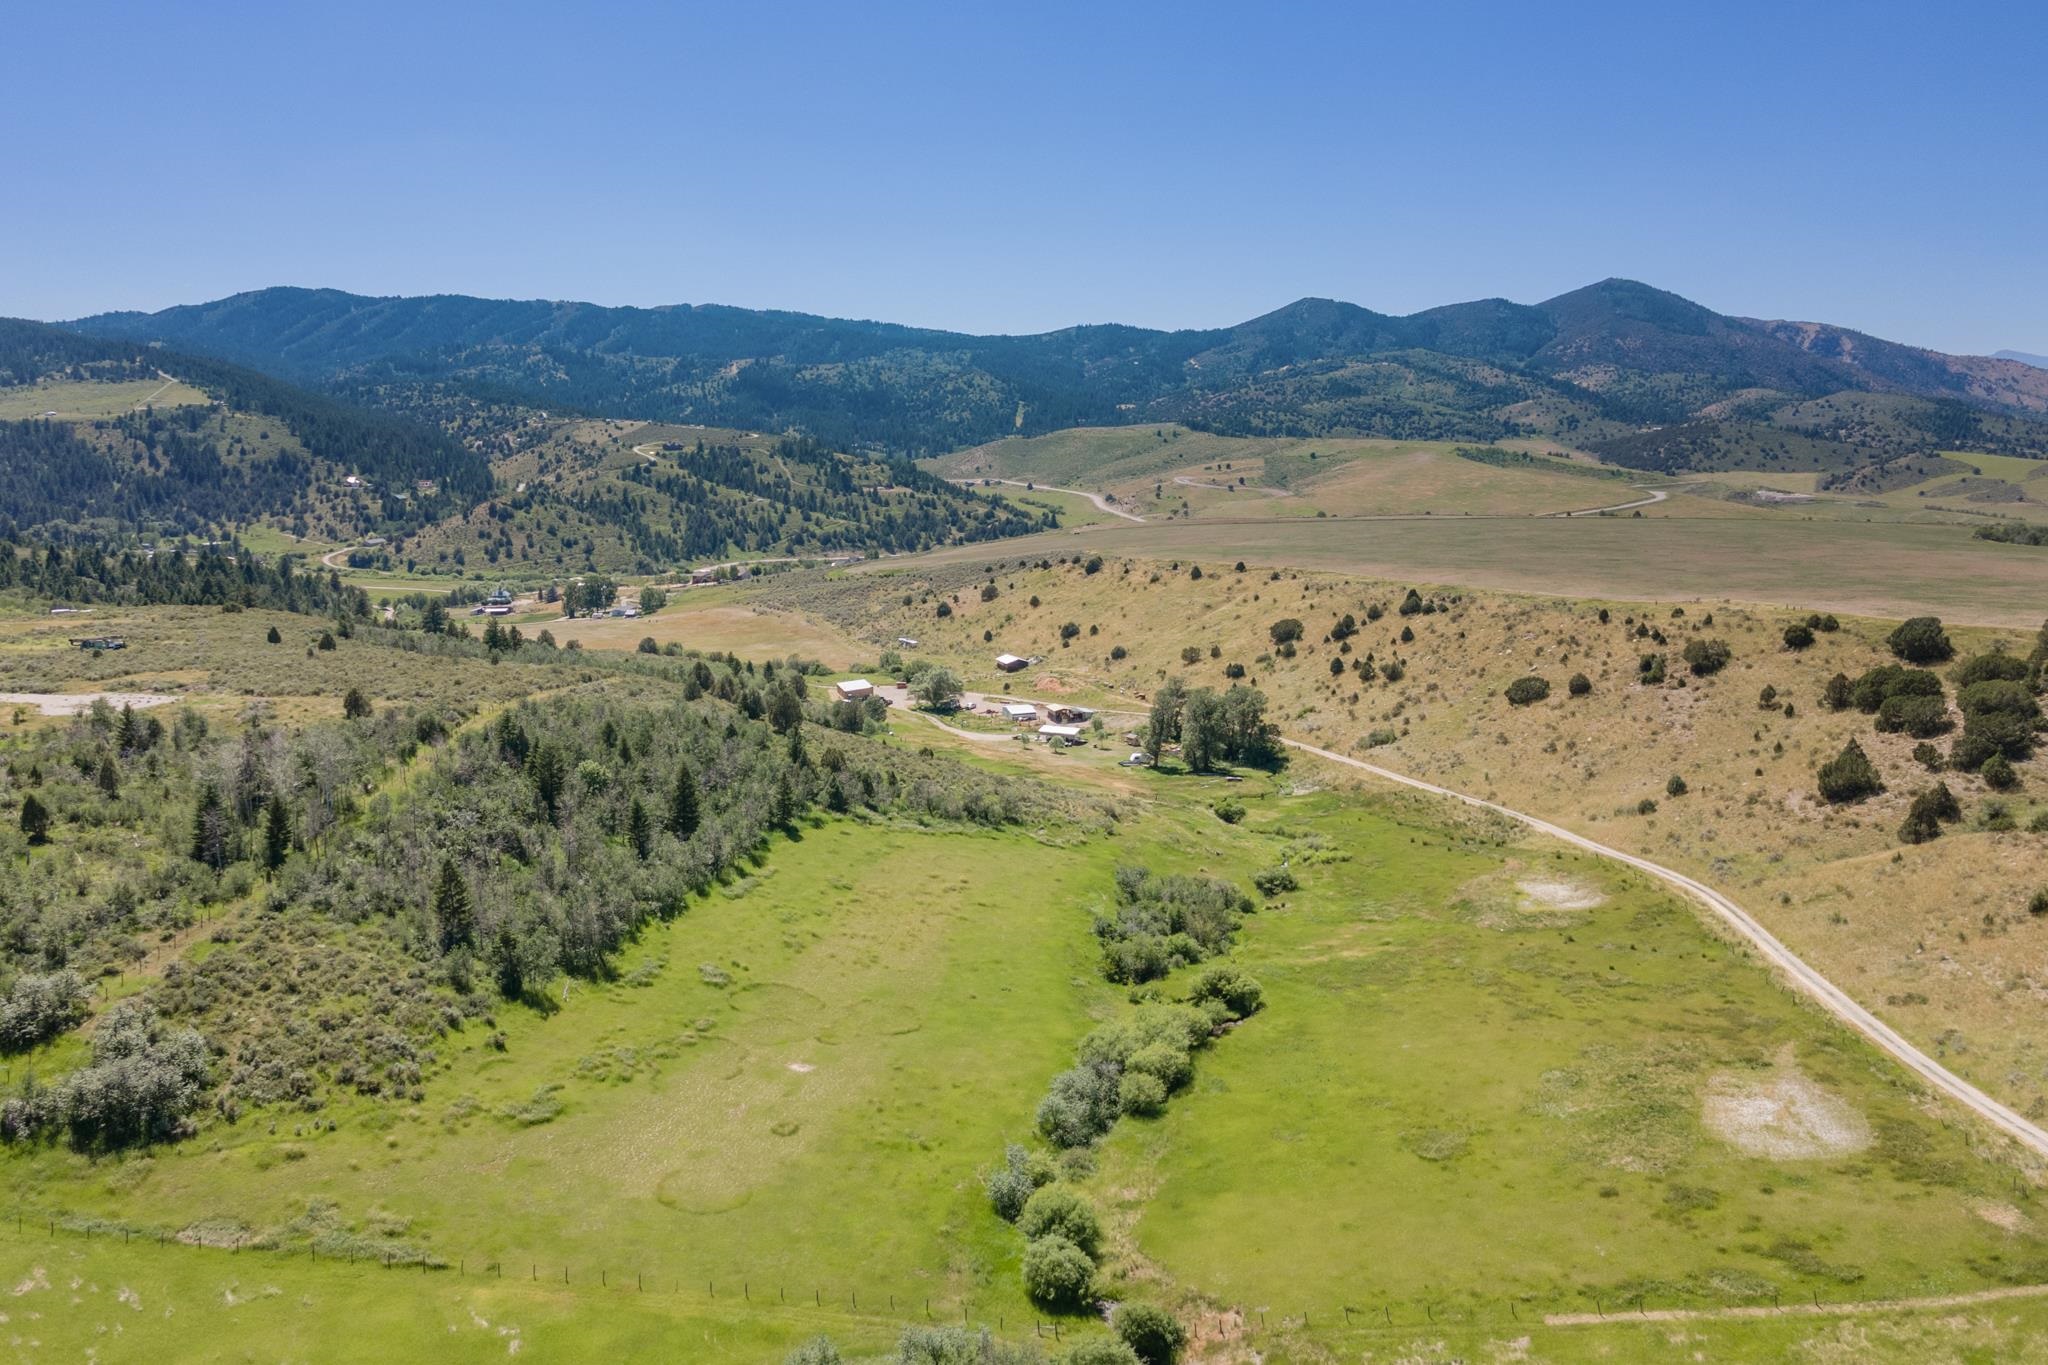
(1582,1308)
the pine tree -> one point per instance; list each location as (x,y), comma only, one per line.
(109,776)
(452,911)
(273,637)
(210,829)
(683,814)
(277,833)
(35,821)
(640,830)
(129,737)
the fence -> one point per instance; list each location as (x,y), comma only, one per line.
(1587,1308)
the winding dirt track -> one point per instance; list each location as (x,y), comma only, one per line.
(1829,996)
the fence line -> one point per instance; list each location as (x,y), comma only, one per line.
(1222,1324)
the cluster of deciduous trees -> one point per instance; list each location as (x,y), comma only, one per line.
(1213,728)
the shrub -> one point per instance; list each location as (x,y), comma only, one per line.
(816,1351)
(1651,670)
(1676,786)
(1646,806)
(1057,1273)
(1999,774)
(1153,1334)
(1798,636)
(1920,717)
(1171,1066)
(1928,757)
(1230,810)
(1705,657)
(1118,652)
(1839,694)
(1274,880)
(1070,630)
(1380,739)
(1849,776)
(1880,684)
(1285,631)
(38,1008)
(1992,667)
(1101,1351)
(1015,1181)
(2037,904)
(1580,685)
(1826,623)
(1921,640)
(1058,1211)
(1141,1095)
(1080,1107)
(1527,690)
(1412,603)
(1930,809)
(1240,993)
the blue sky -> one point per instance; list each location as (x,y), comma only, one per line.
(1019,167)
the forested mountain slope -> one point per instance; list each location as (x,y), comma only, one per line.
(1604,363)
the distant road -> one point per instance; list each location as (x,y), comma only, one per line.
(1657,495)
(1829,996)
(1095,498)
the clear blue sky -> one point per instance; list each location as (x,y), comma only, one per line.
(1024,166)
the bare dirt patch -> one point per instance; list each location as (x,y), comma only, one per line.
(1551,893)
(1781,1115)
(78,703)
(2000,1215)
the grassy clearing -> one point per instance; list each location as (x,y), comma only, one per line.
(712,619)
(755,1099)
(84,401)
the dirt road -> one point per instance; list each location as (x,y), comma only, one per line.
(1101,502)
(1823,991)
(1656,496)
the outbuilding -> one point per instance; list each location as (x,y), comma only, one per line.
(1061,734)
(1010,663)
(1023,712)
(853,689)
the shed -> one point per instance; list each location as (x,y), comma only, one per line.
(854,689)
(1060,734)
(1010,663)
(1020,711)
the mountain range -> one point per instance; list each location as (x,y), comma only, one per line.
(2039,362)
(1606,367)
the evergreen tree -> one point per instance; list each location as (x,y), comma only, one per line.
(683,813)
(549,772)
(273,637)
(355,705)
(452,913)
(129,736)
(210,829)
(109,776)
(35,820)
(640,830)
(277,833)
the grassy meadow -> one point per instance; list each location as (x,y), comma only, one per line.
(82,400)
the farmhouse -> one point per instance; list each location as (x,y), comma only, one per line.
(853,689)
(1010,663)
(1061,734)
(700,577)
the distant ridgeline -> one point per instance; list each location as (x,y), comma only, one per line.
(207,577)
(184,469)
(1616,362)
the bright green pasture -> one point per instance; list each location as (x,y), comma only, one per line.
(896,1004)
(1453,1101)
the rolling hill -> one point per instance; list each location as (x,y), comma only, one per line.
(1610,363)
